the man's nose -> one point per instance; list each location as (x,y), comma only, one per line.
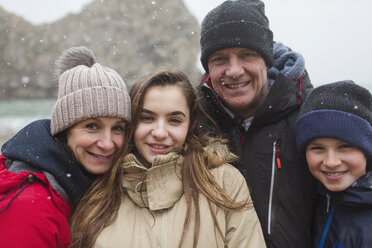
(235,68)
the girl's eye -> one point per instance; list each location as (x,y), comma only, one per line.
(176,120)
(146,118)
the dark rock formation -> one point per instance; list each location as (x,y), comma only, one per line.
(132,37)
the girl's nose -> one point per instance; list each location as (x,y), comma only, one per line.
(160,131)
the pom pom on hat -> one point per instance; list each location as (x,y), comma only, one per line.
(87,90)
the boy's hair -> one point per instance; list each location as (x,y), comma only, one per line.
(340,110)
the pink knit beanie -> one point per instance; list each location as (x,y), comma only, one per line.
(87,90)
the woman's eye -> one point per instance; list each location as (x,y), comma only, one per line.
(118,129)
(92,126)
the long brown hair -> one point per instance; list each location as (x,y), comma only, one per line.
(100,205)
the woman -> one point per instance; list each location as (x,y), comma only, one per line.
(175,188)
(48,165)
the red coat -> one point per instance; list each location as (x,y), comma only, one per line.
(36,217)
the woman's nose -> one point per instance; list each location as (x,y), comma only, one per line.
(105,140)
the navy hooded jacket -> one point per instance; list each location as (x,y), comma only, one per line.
(344,219)
(34,146)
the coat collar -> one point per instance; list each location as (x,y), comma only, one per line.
(158,187)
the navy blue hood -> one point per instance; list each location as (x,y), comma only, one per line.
(360,192)
(35,146)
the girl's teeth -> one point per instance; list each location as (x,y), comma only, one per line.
(158,146)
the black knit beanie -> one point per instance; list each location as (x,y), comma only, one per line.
(340,110)
(236,23)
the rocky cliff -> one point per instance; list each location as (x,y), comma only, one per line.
(132,37)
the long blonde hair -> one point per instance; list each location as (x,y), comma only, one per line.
(99,206)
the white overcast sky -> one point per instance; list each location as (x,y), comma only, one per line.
(334,36)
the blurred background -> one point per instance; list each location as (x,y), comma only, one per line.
(135,37)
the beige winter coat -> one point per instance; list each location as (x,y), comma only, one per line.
(152,212)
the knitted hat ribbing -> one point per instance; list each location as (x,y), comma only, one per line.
(340,110)
(239,23)
(87,90)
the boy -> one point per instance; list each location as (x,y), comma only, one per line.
(335,133)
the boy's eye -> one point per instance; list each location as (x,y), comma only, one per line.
(315,148)
(345,146)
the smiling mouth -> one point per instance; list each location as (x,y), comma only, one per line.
(158,146)
(235,86)
(100,157)
(335,174)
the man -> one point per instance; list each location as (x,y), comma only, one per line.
(253,89)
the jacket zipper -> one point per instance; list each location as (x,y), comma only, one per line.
(275,161)
(271,188)
(330,212)
(328,197)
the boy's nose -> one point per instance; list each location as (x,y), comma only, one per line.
(332,160)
